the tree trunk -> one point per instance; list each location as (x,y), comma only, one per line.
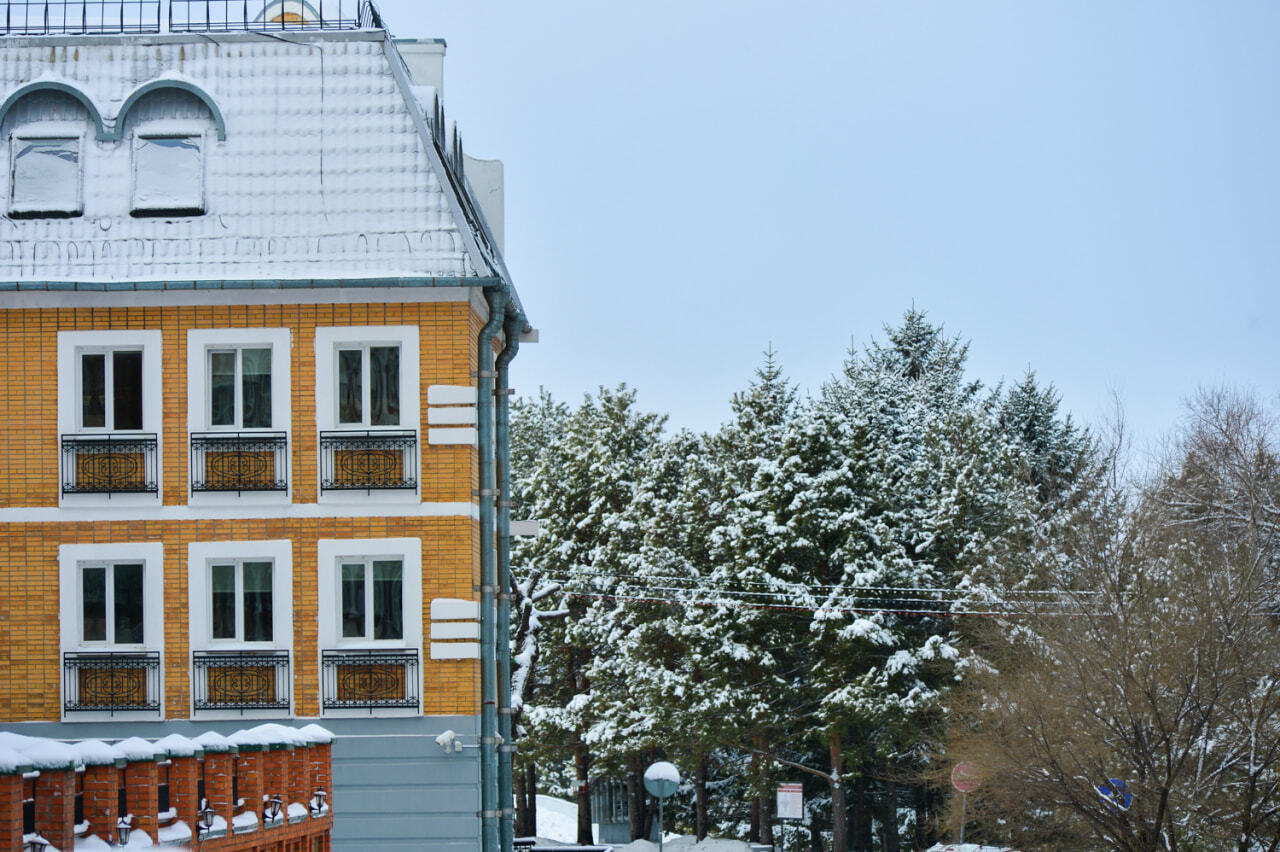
(889,818)
(923,820)
(753,836)
(522,804)
(862,832)
(531,791)
(582,765)
(637,804)
(700,801)
(839,812)
(764,797)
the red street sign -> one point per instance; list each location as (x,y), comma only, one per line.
(964,777)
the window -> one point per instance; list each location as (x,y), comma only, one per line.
(168,175)
(110,389)
(241,600)
(369,385)
(111,603)
(44,177)
(240,388)
(372,599)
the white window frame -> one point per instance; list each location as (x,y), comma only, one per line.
(108,389)
(48,130)
(328,340)
(201,342)
(330,553)
(109,566)
(201,556)
(366,562)
(71,345)
(72,558)
(167,130)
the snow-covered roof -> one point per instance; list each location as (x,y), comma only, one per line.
(328,168)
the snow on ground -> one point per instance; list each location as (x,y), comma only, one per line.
(685,844)
(558,820)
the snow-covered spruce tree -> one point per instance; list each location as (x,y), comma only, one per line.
(750,674)
(536,425)
(581,486)
(897,479)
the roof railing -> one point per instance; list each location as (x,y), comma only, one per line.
(98,17)
(80,17)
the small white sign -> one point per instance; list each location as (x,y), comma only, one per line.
(791,801)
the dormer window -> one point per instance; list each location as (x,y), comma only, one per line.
(44,177)
(168,175)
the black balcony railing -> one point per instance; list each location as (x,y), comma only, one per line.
(109,464)
(239,461)
(111,681)
(240,680)
(369,679)
(205,16)
(368,461)
(80,17)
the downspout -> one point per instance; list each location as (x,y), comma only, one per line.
(497,301)
(502,417)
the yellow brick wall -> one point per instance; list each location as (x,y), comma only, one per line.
(29,419)
(30,666)
(29,653)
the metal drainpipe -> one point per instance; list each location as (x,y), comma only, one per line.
(502,418)
(497,301)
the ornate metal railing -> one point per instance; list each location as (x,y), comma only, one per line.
(204,16)
(80,17)
(368,461)
(240,680)
(110,464)
(369,679)
(239,461)
(111,681)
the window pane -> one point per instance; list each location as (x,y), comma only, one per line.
(388,600)
(46,176)
(257,601)
(168,174)
(350,390)
(126,389)
(384,385)
(224,601)
(93,388)
(127,587)
(222,388)
(353,601)
(94,604)
(255,368)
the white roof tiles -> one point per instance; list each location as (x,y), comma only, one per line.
(323,172)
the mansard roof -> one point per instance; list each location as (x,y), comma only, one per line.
(321,161)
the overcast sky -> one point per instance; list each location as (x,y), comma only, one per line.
(1089,190)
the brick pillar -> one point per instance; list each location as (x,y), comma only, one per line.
(298,776)
(184,772)
(11,811)
(141,780)
(275,777)
(322,771)
(251,781)
(217,783)
(56,806)
(101,795)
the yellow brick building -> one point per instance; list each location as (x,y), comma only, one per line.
(250,297)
